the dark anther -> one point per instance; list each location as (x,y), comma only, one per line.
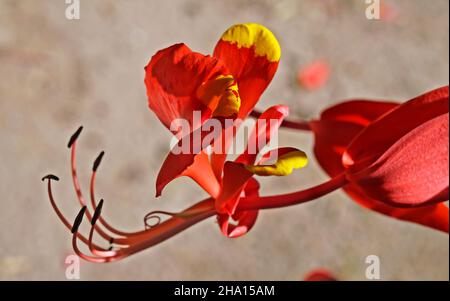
(97,212)
(98,161)
(74,136)
(50,177)
(110,248)
(111,241)
(78,220)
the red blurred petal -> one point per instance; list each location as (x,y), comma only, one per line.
(320,275)
(314,75)
(172,78)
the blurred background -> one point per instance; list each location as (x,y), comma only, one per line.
(57,74)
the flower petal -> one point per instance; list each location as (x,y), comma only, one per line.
(289,158)
(358,111)
(320,275)
(196,167)
(266,125)
(413,171)
(251,53)
(245,219)
(235,178)
(333,133)
(384,132)
(181,160)
(173,77)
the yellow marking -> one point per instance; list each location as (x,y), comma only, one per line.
(283,167)
(256,35)
(220,95)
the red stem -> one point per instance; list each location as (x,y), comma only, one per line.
(291,124)
(299,197)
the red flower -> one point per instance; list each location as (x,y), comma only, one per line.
(227,85)
(388,157)
(393,155)
(180,82)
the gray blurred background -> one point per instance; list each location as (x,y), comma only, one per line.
(57,74)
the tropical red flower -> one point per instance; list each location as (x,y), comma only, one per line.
(393,156)
(388,157)
(180,82)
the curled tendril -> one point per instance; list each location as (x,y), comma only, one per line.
(155,215)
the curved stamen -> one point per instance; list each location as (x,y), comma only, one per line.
(58,212)
(291,124)
(94,250)
(202,210)
(75,235)
(102,221)
(156,235)
(73,146)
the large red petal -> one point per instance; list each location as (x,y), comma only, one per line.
(190,161)
(412,172)
(358,111)
(245,219)
(251,53)
(266,125)
(333,134)
(235,178)
(381,134)
(172,78)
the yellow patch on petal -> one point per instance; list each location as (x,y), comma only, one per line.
(283,167)
(220,95)
(257,36)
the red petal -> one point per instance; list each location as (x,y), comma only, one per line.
(235,177)
(314,75)
(320,275)
(245,219)
(360,112)
(263,131)
(412,172)
(384,132)
(180,162)
(333,135)
(172,78)
(245,224)
(252,70)
(434,216)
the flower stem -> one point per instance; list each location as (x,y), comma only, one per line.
(301,125)
(299,197)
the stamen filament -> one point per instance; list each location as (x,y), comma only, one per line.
(59,213)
